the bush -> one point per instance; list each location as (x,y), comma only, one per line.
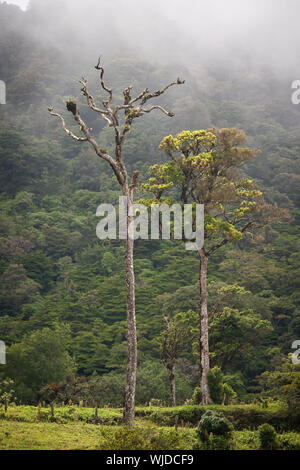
(155,402)
(289,441)
(215,383)
(241,416)
(220,392)
(267,437)
(196,398)
(214,431)
(126,438)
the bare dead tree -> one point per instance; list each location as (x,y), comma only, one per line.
(131,108)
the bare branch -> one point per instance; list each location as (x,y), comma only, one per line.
(120,174)
(168,113)
(148,96)
(91,102)
(110,115)
(106,103)
(70,133)
(140,96)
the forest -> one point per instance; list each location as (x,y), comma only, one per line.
(63,297)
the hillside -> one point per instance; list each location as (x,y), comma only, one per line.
(59,281)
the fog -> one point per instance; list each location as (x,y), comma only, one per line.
(190,33)
(23,4)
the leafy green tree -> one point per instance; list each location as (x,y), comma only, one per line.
(283,384)
(40,358)
(16,288)
(203,168)
(236,332)
(40,268)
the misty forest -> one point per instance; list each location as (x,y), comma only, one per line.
(144,344)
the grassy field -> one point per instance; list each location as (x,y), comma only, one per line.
(25,427)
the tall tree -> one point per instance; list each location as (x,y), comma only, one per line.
(203,168)
(132,108)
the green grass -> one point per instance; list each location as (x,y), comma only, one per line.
(23,427)
(16,435)
(48,436)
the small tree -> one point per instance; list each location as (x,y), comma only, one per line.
(171,346)
(132,108)
(203,167)
(40,358)
(6,392)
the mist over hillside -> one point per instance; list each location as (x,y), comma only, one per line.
(238,60)
(255,33)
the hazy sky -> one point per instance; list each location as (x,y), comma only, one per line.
(189,32)
(21,3)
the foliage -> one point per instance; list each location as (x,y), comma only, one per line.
(6,391)
(241,416)
(215,431)
(283,384)
(54,269)
(41,357)
(268,437)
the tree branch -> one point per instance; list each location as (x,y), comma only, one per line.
(70,133)
(91,102)
(106,103)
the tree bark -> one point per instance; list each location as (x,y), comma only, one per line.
(129,401)
(204,343)
(172,384)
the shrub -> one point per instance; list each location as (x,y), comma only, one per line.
(215,431)
(289,441)
(126,438)
(155,402)
(220,392)
(215,383)
(196,398)
(229,394)
(267,437)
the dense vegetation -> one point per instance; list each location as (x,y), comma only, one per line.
(62,296)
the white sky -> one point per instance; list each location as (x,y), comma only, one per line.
(21,3)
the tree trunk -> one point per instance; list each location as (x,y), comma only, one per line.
(204,344)
(129,402)
(172,384)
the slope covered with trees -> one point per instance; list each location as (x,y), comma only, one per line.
(62,289)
